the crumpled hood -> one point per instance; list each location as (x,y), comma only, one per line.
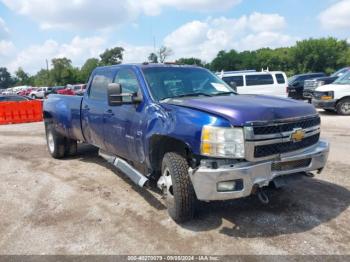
(240,109)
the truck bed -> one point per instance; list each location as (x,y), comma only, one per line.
(65,112)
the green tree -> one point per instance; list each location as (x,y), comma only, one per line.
(153,58)
(325,54)
(22,77)
(42,78)
(226,61)
(112,56)
(62,72)
(190,61)
(5,78)
(87,69)
(163,53)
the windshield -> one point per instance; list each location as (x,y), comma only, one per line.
(340,73)
(292,79)
(344,80)
(171,82)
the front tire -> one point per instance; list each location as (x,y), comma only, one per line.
(179,192)
(343,107)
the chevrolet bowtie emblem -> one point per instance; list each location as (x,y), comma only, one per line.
(297,135)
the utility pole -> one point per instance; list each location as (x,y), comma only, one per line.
(48,72)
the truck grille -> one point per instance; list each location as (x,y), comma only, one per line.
(290,165)
(310,84)
(281,148)
(270,140)
(285,127)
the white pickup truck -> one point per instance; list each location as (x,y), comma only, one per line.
(334,97)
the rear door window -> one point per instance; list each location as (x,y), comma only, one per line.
(237,79)
(100,81)
(280,79)
(262,79)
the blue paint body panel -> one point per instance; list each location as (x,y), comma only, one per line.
(126,130)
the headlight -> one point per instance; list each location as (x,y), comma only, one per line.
(320,83)
(222,142)
(327,95)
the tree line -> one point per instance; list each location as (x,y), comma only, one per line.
(311,55)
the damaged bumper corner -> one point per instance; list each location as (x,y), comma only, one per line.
(248,175)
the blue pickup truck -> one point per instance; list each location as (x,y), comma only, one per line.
(189,132)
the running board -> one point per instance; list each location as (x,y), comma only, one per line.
(124,167)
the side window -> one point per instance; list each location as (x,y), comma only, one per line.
(237,79)
(280,79)
(262,79)
(128,81)
(100,81)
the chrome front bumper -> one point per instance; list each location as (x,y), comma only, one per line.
(205,179)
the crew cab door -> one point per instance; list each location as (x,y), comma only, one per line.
(94,107)
(123,122)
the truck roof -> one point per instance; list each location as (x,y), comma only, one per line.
(149,65)
(310,74)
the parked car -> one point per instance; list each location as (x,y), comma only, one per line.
(38,93)
(311,85)
(53,90)
(187,130)
(25,92)
(8,91)
(79,89)
(296,84)
(263,83)
(334,97)
(66,91)
(13,98)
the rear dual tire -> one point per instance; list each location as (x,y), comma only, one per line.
(59,146)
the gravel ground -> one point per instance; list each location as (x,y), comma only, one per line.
(85,206)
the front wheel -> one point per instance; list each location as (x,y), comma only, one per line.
(178,189)
(343,107)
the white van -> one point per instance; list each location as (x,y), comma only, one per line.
(334,97)
(260,83)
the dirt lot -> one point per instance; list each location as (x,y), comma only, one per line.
(84,206)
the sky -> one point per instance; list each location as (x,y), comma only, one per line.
(32,31)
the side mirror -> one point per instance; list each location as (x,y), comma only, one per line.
(114,93)
(137,98)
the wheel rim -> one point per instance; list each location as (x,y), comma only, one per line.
(50,142)
(345,107)
(168,185)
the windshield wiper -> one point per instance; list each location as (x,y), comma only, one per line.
(225,93)
(192,94)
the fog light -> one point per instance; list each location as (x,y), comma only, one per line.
(226,186)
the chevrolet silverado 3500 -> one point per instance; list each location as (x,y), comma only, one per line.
(187,130)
